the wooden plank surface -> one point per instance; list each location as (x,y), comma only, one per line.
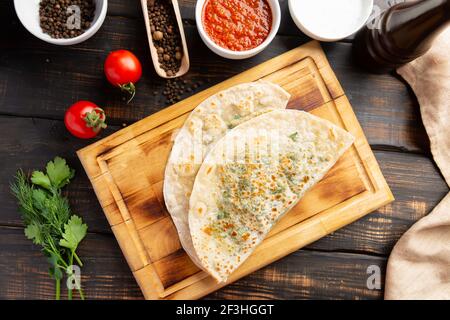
(106,275)
(386,108)
(31,133)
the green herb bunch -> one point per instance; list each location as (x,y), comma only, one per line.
(48,219)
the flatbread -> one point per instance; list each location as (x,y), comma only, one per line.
(207,123)
(252,177)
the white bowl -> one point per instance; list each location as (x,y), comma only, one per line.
(330,20)
(236,55)
(28,13)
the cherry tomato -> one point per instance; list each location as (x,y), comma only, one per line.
(84,119)
(123,69)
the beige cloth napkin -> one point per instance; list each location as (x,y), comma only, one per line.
(419,265)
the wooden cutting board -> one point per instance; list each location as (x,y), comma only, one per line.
(127,169)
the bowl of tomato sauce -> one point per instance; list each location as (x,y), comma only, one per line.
(237,29)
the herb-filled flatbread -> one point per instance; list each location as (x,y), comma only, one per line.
(207,123)
(252,177)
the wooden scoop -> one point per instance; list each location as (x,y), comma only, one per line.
(185,59)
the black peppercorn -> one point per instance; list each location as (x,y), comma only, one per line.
(58,18)
(166,36)
(176,88)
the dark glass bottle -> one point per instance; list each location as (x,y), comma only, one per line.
(401,34)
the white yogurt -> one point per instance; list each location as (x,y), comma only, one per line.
(330,20)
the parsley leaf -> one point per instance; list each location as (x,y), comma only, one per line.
(41,179)
(74,231)
(33,232)
(294,136)
(39,197)
(59,172)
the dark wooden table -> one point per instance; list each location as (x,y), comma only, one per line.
(38,81)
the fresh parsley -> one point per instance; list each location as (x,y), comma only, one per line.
(222,215)
(48,219)
(294,136)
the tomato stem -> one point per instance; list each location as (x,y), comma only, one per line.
(95,119)
(130,88)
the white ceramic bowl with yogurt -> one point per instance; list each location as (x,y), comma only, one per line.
(330,20)
(28,13)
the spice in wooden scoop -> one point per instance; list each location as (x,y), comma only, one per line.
(165,34)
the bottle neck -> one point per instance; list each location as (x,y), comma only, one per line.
(411,27)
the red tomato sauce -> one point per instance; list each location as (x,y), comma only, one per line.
(237,25)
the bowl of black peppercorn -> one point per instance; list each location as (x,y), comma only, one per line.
(62,22)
